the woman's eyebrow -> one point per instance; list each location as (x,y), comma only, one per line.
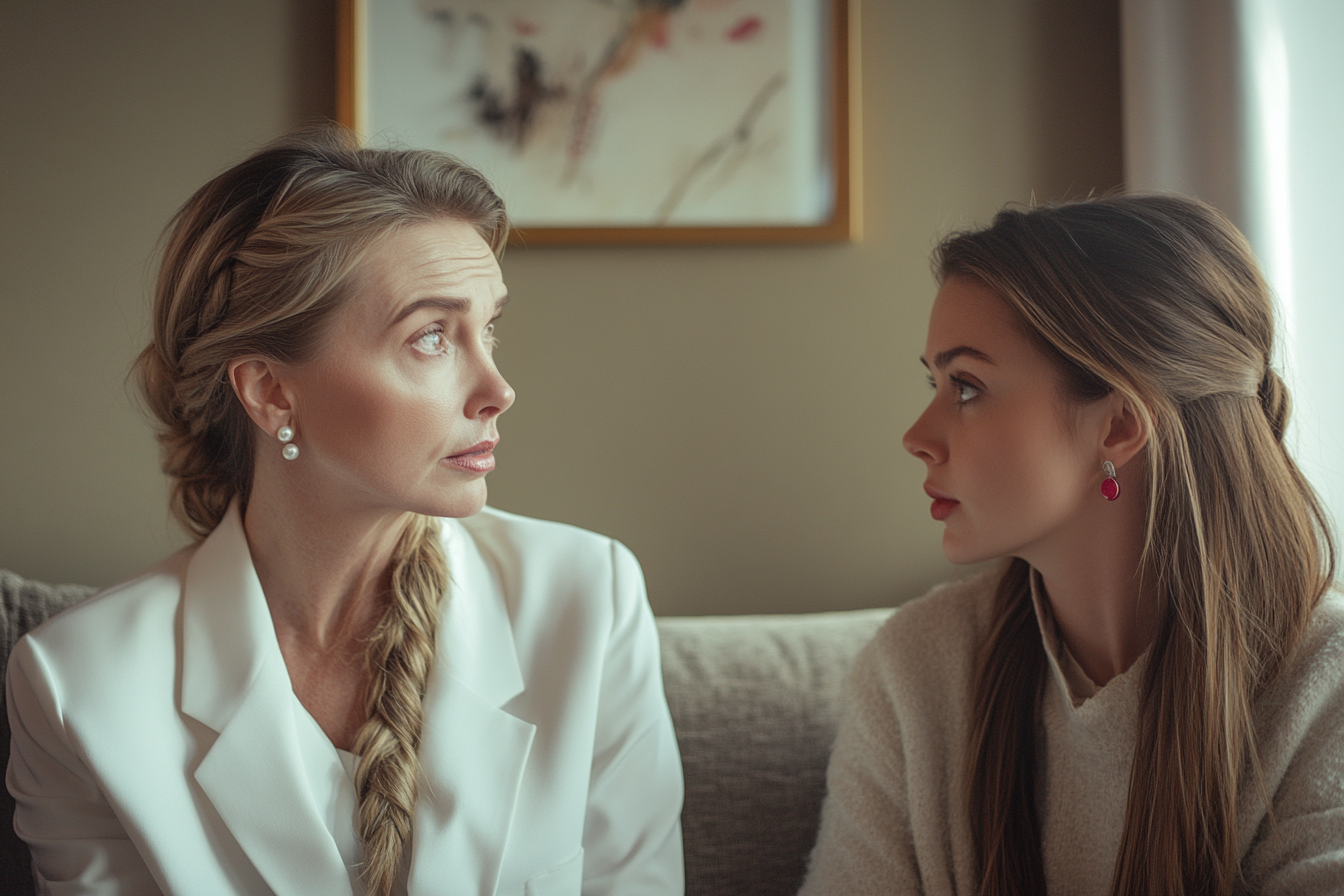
(448,304)
(452,306)
(942,359)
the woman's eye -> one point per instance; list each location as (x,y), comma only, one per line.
(490,338)
(965,391)
(431,342)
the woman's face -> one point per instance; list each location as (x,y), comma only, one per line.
(1011,467)
(398,410)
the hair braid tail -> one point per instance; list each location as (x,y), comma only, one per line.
(400,654)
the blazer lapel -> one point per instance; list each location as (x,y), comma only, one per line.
(472,751)
(234,681)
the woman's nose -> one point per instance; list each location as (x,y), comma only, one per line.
(493,396)
(920,440)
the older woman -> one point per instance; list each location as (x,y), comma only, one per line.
(359,679)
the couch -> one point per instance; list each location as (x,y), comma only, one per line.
(755,701)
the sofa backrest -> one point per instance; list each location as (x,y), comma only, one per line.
(756,701)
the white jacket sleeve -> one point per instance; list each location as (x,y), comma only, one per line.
(79,846)
(632,831)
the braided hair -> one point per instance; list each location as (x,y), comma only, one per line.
(256,262)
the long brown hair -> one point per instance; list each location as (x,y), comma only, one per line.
(256,262)
(1157,298)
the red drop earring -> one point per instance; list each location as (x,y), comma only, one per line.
(1110,486)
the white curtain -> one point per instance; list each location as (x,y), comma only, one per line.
(1241,103)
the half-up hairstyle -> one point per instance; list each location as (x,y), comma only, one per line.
(255,263)
(1158,299)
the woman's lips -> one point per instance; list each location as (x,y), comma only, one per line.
(942,505)
(478,458)
(942,508)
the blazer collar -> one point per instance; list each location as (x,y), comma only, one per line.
(228,635)
(476,643)
(234,681)
(473,751)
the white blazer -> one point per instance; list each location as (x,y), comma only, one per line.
(155,745)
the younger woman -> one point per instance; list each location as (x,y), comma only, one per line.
(1148,696)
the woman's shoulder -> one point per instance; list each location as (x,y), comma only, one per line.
(1315,669)
(145,601)
(950,614)
(928,645)
(1300,725)
(1325,632)
(526,543)
(553,568)
(503,527)
(119,640)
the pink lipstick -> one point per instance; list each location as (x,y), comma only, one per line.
(479,458)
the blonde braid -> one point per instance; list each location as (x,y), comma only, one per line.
(400,655)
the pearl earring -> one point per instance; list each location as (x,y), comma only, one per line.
(285,434)
(1110,486)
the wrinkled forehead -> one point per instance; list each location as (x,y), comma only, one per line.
(435,259)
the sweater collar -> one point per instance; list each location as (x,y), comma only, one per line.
(1070,681)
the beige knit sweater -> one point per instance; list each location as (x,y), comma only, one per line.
(895,822)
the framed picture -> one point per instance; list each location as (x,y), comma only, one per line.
(621,121)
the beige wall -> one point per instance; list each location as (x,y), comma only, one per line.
(733,414)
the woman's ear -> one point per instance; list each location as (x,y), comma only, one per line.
(1125,432)
(258,385)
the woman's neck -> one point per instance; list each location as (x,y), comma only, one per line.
(1107,610)
(324,570)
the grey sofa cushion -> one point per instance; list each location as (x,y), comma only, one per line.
(24,604)
(756,701)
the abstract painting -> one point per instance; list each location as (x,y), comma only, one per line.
(619,120)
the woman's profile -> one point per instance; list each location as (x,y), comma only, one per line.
(1148,695)
(359,678)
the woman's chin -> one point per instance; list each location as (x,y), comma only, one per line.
(465,501)
(959,552)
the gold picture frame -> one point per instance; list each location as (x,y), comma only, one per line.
(389,42)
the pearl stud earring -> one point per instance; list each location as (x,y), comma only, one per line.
(286,434)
